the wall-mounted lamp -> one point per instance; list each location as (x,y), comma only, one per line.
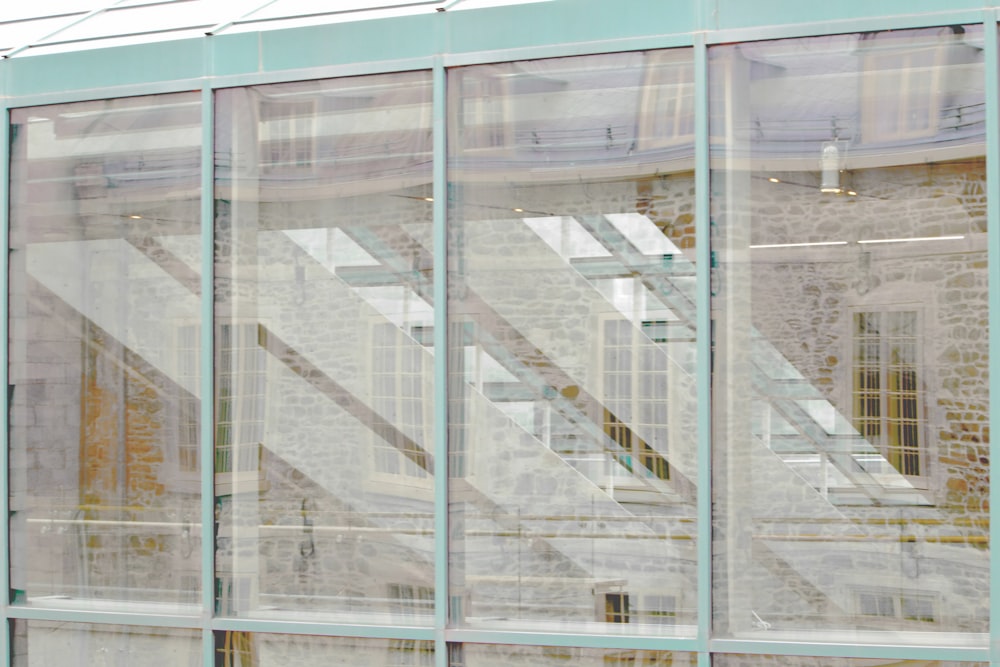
(830,168)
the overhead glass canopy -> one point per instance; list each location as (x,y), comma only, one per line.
(50,26)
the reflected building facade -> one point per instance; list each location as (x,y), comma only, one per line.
(591,358)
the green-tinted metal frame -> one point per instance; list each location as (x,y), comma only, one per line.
(435,42)
(991,58)
(439,192)
(6,627)
(703,272)
(206,365)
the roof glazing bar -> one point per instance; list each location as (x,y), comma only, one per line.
(81,19)
(245,19)
(214,30)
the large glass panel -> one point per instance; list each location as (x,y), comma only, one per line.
(572,309)
(47,643)
(850,307)
(489,655)
(323,355)
(104,341)
(252,649)
(746,660)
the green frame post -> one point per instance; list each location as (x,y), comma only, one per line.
(703,363)
(6,636)
(992,67)
(207,362)
(440,232)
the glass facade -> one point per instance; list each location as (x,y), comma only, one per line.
(399,343)
(851,390)
(571,321)
(103,353)
(323,321)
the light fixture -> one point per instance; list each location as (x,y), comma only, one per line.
(518,210)
(811,244)
(956,237)
(830,168)
(774,180)
(428,198)
(135,217)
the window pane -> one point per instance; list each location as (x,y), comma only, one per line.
(573,247)
(45,643)
(735,660)
(104,293)
(852,248)
(252,649)
(488,655)
(323,360)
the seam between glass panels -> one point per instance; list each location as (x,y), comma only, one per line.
(104,617)
(567,49)
(440,212)
(5,560)
(991,72)
(207,370)
(597,641)
(71,96)
(703,350)
(843,25)
(323,629)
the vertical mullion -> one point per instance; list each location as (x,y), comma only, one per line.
(703,351)
(993,257)
(206,386)
(440,233)
(5,629)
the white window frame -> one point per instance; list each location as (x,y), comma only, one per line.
(666,111)
(891,93)
(484,111)
(637,399)
(919,479)
(186,455)
(245,413)
(287,136)
(896,598)
(402,471)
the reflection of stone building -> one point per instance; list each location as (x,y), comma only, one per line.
(553,302)
(865,282)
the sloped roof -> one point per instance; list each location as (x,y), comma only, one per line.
(51,26)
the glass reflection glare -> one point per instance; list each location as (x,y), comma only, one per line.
(572,330)
(323,357)
(104,345)
(850,387)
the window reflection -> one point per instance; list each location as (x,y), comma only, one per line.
(572,330)
(252,649)
(323,355)
(850,376)
(104,346)
(735,660)
(41,643)
(486,655)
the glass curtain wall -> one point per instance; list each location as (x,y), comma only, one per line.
(737,660)
(850,304)
(253,649)
(103,354)
(323,357)
(490,655)
(849,366)
(571,368)
(39,643)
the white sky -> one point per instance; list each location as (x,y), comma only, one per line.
(51,22)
